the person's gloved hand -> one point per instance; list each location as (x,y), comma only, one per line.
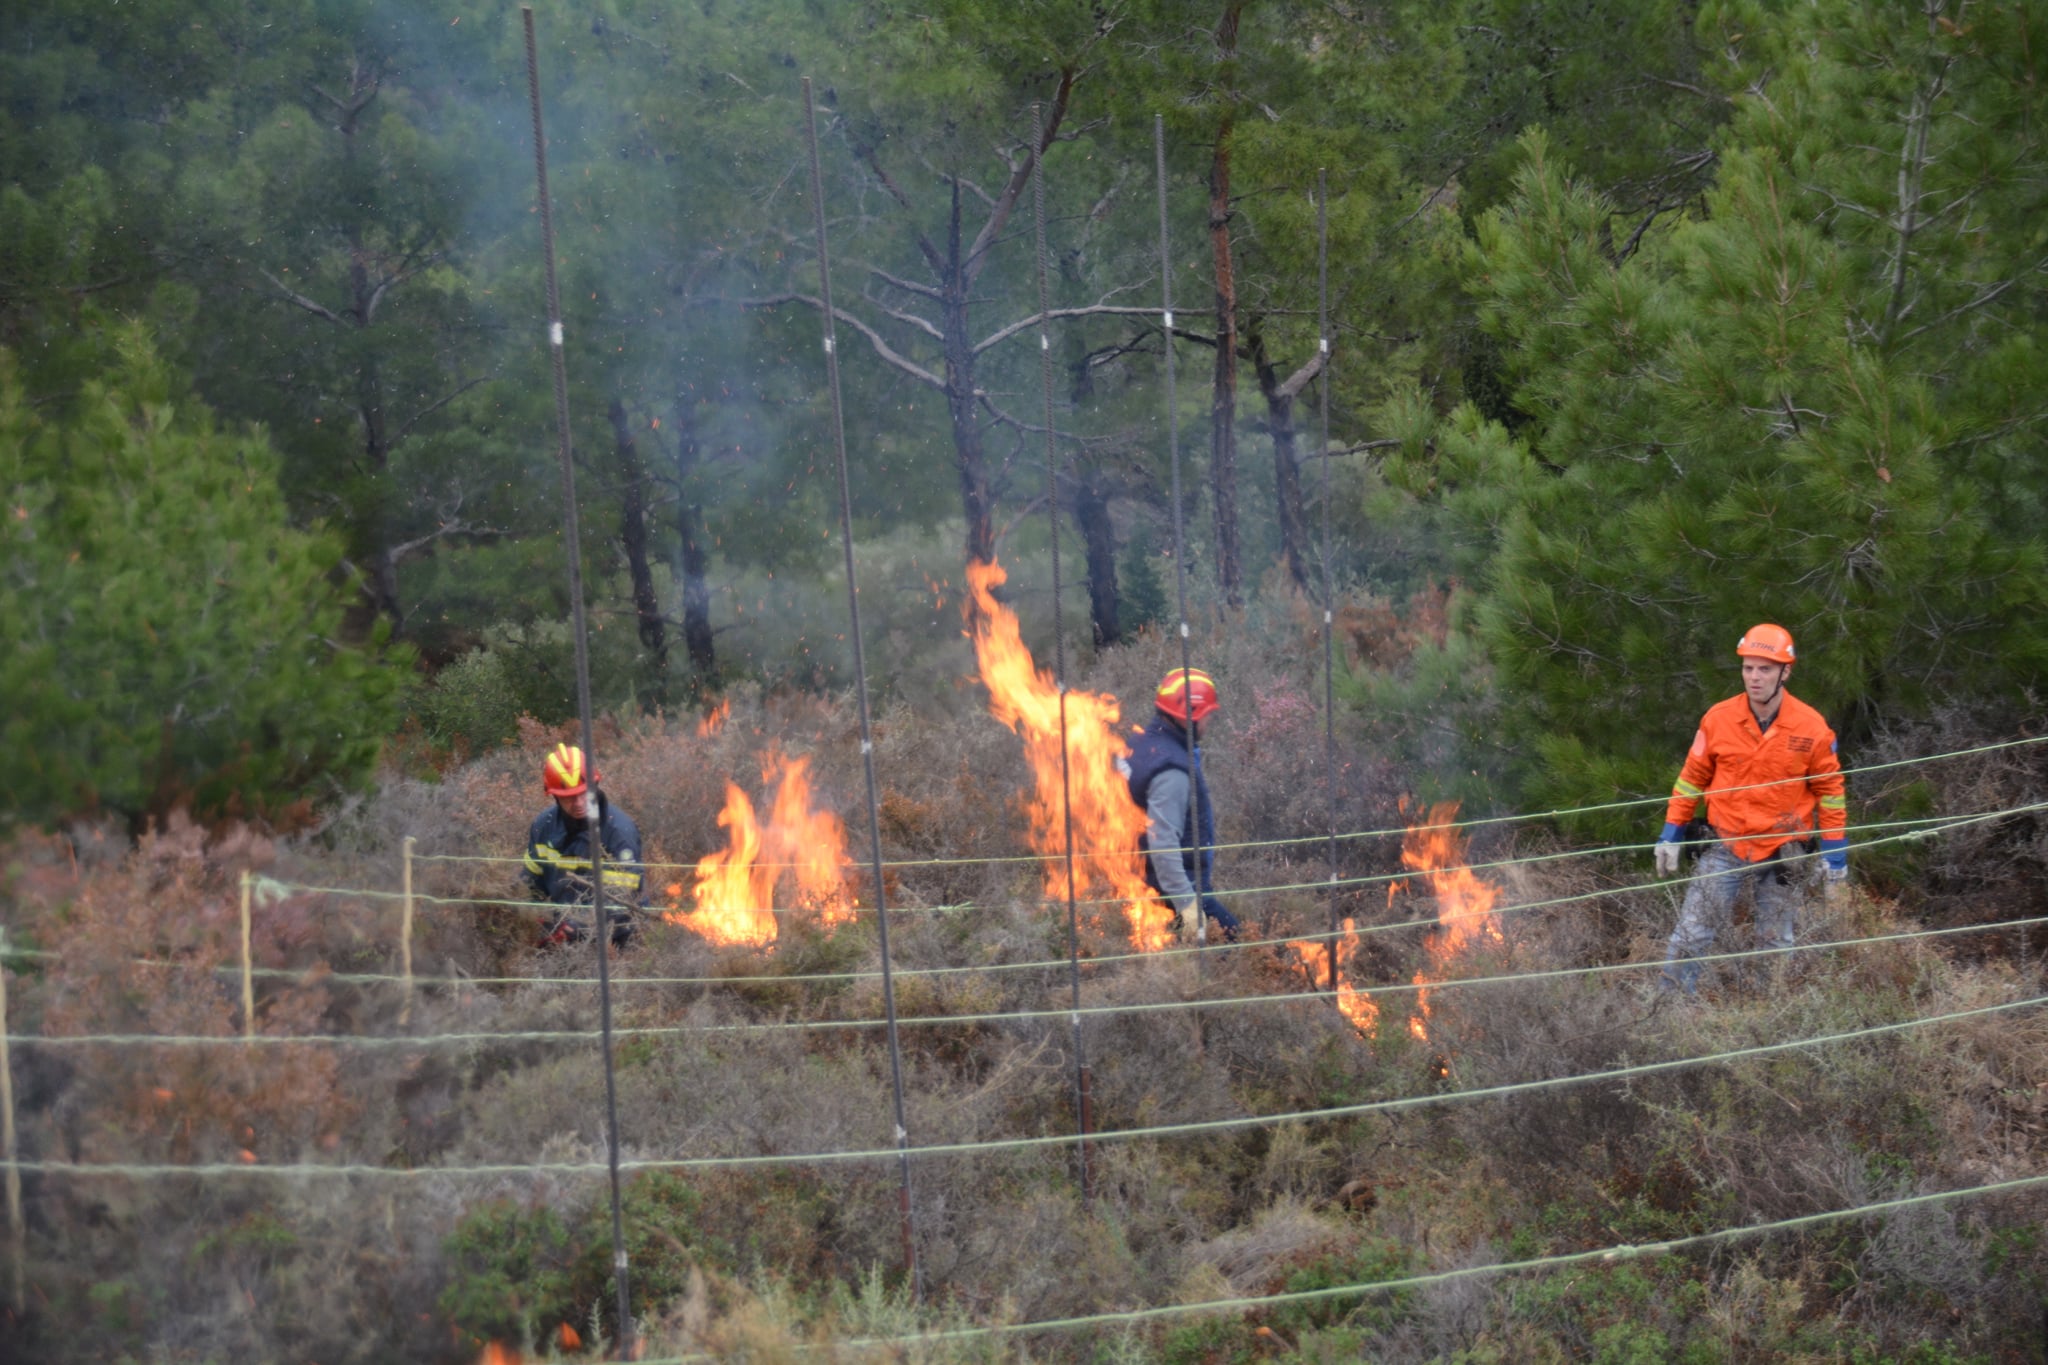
(1834,860)
(1667,851)
(1214,909)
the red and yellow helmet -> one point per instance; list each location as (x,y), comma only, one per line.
(1766,642)
(1186,694)
(565,773)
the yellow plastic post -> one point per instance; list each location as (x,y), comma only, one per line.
(405,932)
(248,972)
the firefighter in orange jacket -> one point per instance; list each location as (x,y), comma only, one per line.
(1765,763)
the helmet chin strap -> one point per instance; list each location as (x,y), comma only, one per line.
(1775,690)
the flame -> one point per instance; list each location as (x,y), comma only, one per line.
(714,719)
(496,1353)
(801,848)
(1351,1003)
(1106,822)
(1464,903)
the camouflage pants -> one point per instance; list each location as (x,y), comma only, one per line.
(1717,883)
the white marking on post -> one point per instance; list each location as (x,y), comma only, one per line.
(1169,319)
(554,334)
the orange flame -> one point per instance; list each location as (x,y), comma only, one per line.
(1351,1003)
(714,719)
(799,847)
(1106,822)
(1464,903)
(496,1353)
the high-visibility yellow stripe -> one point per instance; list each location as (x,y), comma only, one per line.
(1685,788)
(1834,803)
(567,864)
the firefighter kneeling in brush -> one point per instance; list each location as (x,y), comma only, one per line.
(557,865)
(1165,776)
(1765,763)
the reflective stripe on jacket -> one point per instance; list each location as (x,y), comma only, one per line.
(555,847)
(1731,758)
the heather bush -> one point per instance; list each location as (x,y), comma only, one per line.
(747,1063)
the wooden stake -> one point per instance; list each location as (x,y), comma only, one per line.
(405,932)
(248,973)
(17,1227)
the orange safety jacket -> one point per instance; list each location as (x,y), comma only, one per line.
(1730,762)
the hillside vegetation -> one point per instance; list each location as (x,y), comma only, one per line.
(733,1053)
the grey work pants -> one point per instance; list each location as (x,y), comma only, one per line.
(1717,882)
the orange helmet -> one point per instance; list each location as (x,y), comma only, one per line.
(1186,695)
(1766,642)
(565,773)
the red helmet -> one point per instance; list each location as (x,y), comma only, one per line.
(565,773)
(1766,642)
(1186,694)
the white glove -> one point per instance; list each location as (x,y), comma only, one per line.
(1667,859)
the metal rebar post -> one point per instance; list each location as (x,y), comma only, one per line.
(1180,556)
(601,924)
(860,671)
(17,1225)
(1059,649)
(1329,568)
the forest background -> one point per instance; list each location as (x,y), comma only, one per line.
(1648,321)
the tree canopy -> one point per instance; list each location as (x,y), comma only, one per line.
(167,634)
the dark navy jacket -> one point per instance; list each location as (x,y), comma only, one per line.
(556,846)
(1160,746)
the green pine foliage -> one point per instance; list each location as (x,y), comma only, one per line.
(165,636)
(1805,404)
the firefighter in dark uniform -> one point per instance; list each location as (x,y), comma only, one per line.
(557,867)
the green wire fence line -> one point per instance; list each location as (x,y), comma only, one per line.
(146,1170)
(1610,1255)
(564,1036)
(274,887)
(1323,838)
(1313,993)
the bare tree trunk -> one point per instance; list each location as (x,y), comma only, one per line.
(1098,531)
(381,583)
(976,500)
(692,561)
(1286,458)
(1098,545)
(633,537)
(1223,395)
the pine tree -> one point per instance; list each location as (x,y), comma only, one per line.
(1805,405)
(164,636)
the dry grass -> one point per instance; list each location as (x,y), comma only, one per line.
(780,1256)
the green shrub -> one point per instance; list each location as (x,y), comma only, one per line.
(1371,1261)
(510,1269)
